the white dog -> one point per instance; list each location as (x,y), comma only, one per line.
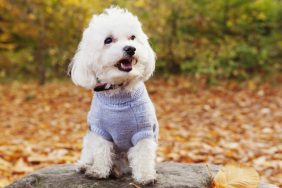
(114,59)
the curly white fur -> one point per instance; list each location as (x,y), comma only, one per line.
(142,159)
(96,156)
(95,60)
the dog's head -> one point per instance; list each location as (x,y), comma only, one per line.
(114,49)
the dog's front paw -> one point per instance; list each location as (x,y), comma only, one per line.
(82,168)
(148,181)
(146,178)
(93,173)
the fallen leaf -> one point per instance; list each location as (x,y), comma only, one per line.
(235,176)
(22,167)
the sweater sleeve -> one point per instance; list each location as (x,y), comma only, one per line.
(142,134)
(101,132)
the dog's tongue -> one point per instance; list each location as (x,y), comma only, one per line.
(127,66)
(102,87)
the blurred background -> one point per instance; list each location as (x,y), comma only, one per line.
(217,86)
(218,39)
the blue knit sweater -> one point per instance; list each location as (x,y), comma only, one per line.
(124,118)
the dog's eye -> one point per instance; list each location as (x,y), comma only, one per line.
(108,40)
(132,37)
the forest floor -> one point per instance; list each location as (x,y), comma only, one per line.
(229,122)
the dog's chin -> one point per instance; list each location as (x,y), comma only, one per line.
(122,76)
(125,81)
(125,77)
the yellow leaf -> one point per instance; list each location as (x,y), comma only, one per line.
(4,182)
(21,167)
(140,3)
(4,165)
(233,176)
(252,85)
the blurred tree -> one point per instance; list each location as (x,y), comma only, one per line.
(44,30)
(218,39)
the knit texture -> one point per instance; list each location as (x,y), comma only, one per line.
(124,118)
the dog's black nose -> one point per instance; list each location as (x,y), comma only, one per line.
(129,50)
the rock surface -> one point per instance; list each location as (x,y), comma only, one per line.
(170,175)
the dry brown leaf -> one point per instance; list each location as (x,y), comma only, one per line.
(235,176)
(4,164)
(4,182)
(22,167)
(134,185)
(229,122)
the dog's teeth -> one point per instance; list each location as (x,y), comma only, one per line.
(122,66)
(107,86)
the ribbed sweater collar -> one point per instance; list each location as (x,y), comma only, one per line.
(121,97)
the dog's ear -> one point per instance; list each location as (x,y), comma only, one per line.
(151,60)
(81,68)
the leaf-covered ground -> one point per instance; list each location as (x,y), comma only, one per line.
(219,124)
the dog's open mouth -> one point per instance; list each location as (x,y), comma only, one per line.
(125,64)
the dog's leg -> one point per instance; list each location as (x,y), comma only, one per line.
(101,154)
(142,159)
(86,158)
(102,158)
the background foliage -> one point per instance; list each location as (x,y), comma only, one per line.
(217,39)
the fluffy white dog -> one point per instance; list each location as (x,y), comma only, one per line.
(114,59)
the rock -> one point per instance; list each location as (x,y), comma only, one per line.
(170,175)
(263,185)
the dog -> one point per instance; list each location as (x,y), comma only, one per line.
(114,58)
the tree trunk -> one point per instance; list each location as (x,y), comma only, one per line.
(40,51)
(173,66)
(225,15)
